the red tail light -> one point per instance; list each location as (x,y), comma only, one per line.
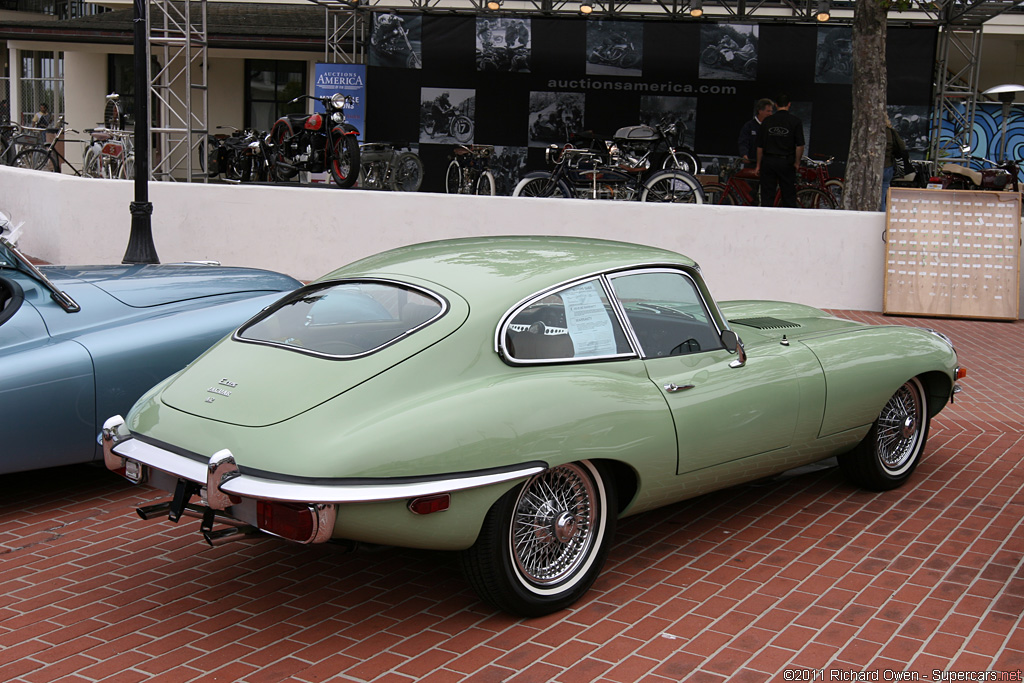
(293,521)
(429,504)
(961,372)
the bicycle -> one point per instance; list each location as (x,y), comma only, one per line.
(11,140)
(814,173)
(45,156)
(468,172)
(109,154)
(738,191)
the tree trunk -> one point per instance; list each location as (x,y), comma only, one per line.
(863,190)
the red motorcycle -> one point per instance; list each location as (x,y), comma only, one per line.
(995,177)
(315,143)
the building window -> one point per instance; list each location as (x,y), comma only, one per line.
(42,82)
(269,85)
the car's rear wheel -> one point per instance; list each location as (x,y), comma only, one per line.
(892,449)
(543,543)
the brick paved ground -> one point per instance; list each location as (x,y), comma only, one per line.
(803,571)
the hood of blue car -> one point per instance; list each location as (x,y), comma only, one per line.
(143,286)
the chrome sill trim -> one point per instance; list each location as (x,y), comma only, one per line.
(248,486)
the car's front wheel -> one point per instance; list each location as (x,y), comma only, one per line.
(543,543)
(889,453)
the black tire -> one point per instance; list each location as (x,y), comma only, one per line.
(539,187)
(484,184)
(813,198)
(750,69)
(672,186)
(37,159)
(710,55)
(453,178)
(890,452)
(629,59)
(462,128)
(345,160)
(835,187)
(429,125)
(715,193)
(544,542)
(408,173)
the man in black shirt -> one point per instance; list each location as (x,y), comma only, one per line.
(748,133)
(780,146)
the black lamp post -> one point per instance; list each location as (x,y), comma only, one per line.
(140,243)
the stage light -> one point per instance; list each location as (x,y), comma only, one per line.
(696,8)
(494,5)
(824,10)
(586,7)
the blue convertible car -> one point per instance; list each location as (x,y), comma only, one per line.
(78,344)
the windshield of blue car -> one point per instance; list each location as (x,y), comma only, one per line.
(10,257)
(344,319)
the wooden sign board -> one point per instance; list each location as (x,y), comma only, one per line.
(952,253)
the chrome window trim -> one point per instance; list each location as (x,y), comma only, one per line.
(321,284)
(248,486)
(506,319)
(709,310)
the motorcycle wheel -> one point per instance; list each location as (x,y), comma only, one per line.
(813,198)
(629,60)
(462,128)
(750,68)
(682,160)
(484,184)
(278,173)
(408,173)
(92,165)
(543,186)
(413,61)
(345,160)
(453,178)
(709,56)
(672,186)
(714,193)
(428,126)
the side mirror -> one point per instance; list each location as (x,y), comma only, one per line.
(733,344)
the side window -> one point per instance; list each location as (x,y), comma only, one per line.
(577,322)
(667,313)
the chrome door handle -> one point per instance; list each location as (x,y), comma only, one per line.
(673,388)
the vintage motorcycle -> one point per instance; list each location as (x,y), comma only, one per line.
(455,125)
(590,174)
(390,39)
(618,52)
(996,177)
(655,147)
(315,143)
(389,166)
(238,156)
(741,60)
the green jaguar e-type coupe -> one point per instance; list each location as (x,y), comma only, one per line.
(511,398)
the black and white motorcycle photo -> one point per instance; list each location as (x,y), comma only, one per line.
(503,44)
(395,40)
(728,51)
(615,48)
(554,117)
(446,115)
(833,61)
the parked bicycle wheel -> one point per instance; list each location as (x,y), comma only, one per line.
(672,186)
(92,161)
(813,198)
(715,193)
(37,159)
(835,187)
(453,178)
(484,184)
(408,173)
(542,186)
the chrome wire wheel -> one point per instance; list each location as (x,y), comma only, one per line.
(892,449)
(554,525)
(899,432)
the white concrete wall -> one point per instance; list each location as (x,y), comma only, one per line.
(830,259)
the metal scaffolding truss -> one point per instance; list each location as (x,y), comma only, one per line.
(955,93)
(177,39)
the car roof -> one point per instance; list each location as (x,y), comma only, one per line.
(515,266)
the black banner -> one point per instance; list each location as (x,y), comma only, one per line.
(522,83)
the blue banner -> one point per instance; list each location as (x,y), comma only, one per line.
(348,79)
